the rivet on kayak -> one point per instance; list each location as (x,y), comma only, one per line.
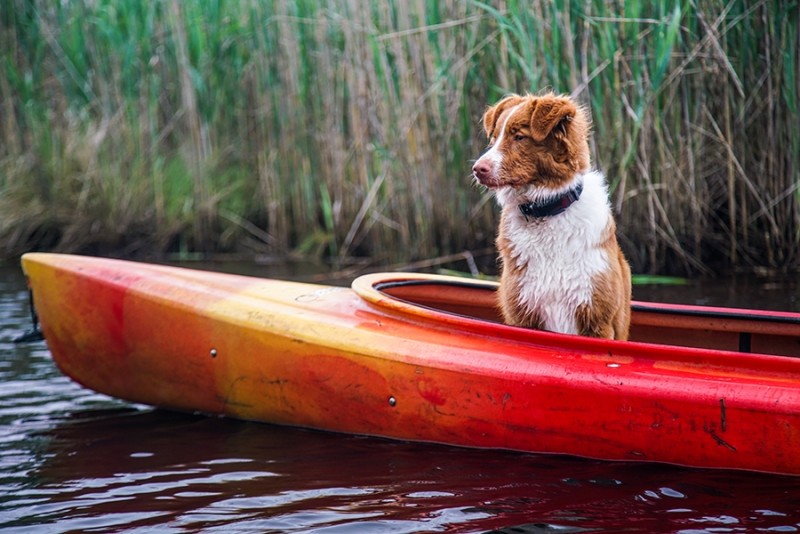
(392,401)
(612,364)
(213,353)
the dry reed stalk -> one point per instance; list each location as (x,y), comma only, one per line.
(198,154)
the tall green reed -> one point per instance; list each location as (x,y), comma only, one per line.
(346,127)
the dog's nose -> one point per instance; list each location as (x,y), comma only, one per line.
(481,169)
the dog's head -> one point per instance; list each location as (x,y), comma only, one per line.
(533,140)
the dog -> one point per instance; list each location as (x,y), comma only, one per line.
(562,269)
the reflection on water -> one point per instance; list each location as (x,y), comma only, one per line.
(75,461)
(112,467)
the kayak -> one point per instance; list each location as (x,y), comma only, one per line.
(423,357)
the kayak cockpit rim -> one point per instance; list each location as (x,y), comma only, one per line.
(471,304)
(429,296)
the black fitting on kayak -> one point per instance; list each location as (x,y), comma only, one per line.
(34,334)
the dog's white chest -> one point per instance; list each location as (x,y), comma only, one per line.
(556,281)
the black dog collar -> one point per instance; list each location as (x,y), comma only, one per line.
(551,206)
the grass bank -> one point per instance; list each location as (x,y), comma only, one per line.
(347,128)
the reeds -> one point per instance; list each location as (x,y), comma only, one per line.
(347,128)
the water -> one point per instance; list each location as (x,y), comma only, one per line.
(75,461)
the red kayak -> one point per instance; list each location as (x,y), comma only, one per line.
(424,357)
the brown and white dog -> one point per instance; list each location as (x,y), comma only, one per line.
(562,269)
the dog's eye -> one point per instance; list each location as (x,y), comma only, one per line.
(519,137)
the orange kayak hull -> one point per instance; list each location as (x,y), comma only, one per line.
(376,360)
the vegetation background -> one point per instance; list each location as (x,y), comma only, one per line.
(346,128)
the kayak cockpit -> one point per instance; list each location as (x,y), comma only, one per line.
(456,300)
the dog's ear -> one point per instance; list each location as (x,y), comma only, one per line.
(551,114)
(493,113)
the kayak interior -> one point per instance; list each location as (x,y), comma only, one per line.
(728,329)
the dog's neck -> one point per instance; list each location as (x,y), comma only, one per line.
(551,206)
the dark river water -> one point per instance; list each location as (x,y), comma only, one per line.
(75,461)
